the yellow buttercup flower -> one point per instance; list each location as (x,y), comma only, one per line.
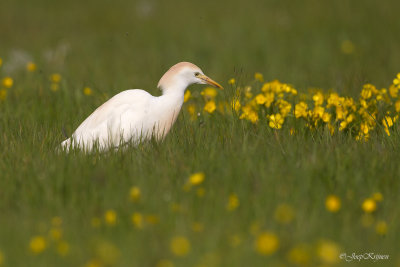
(62,248)
(137,220)
(347,47)
(332,203)
(381,228)
(233,202)
(266,243)
(369,205)
(55,78)
(197,227)
(232,81)
(1,253)
(328,252)
(187,96)
(276,121)
(209,93)
(196,178)
(1,62)
(300,255)
(259,77)
(260,99)
(55,233)
(37,244)
(377,196)
(87,91)
(300,110)
(210,106)
(110,217)
(8,82)
(180,246)
(318,98)
(3,94)
(30,66)
(134,194)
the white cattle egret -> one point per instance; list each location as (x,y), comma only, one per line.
(135,115)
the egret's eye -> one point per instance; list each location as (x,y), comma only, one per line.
(196,74)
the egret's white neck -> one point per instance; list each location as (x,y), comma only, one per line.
(175,89)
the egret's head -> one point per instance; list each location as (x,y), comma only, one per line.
(184,74)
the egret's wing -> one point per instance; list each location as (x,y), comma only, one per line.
(123,116)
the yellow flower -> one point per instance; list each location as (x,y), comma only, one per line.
(396,80)
(55,78)
(381,228)
(196,178)
(200,191)
(328,252)
(332,203)
(347,47)
(55,233)
(37,244)
(93,263)
(276,121)
(1,62)
(209,93)
(187,96)
(137,220)
(300,110)
(319,111)
(87,91)
(326,117)
(210,106)
(1,253)
(266,243)
(107,253)
(393,91)
(3,94)
(134,194)
(235,104)
(260,99)
(233,202)
(232,81)
(62,248)
(377,196)
(152,219)
(300,255)
(270,97)
(8,82)
(318,99)
(30,66)
(367,91)
(180,246)
(369,205)
(284,214)
(259,77)
(110,217)
(165,263)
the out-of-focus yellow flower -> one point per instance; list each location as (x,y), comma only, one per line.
(233,202)
(381,228)
(259,77)
(137,220)
(328,252)
(95,222)
(55,78)
(110,217)
(284,214)
(180,246)
(332,203)
(37,244)
(209,93)
(134,194)
(93,263)
(87,91)
(318,98)
(300,255)
(165,263)
(56,221)
(55,233)
(200,191)
(7,82)
(1,253)
(235,104)
(300,110)
(394,91)
(210,106)
(276,121)
(196,178)
(3,94)
(187,96)
(377,196)
(62,248)
(347,47)
(232,81)
(369,205)
(30,66)
(266,243)
(270,97)
(396,80)
(260,99)
(152,219)
(1,62)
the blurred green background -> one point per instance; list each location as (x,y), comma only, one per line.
(114,45)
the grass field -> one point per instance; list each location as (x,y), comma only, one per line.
(264,196)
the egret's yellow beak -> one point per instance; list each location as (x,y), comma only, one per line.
(209,81)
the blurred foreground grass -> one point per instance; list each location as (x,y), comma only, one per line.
(263,198)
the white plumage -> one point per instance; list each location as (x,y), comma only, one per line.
(135,115)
